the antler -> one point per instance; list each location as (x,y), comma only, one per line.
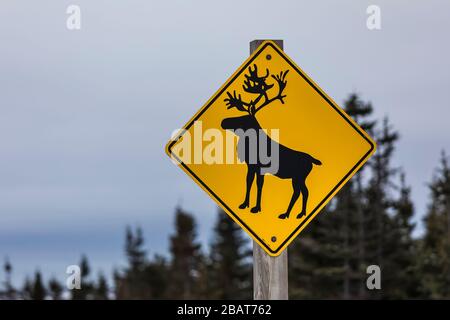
(257,85)
(235,101)
(282,82)
(254,83)
(254,73)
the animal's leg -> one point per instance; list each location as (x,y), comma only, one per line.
(259,184)
(249,181)
(296,186)
(305,193)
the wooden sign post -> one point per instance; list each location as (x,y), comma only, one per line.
(270,274)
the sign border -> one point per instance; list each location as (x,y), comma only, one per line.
(328,197)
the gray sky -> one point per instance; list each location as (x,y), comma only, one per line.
(84,115)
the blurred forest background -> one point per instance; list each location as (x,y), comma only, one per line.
(368,222)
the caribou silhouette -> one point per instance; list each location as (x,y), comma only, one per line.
(292,164)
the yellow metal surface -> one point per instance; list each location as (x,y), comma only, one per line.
(307,121)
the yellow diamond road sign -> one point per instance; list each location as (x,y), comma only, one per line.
(271,148)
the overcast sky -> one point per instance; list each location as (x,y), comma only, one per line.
(85,115)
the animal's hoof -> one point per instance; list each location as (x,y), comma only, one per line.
(283,216)
(301,214)
(255,210)
(243,206)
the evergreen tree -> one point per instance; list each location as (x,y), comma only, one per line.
(134,250)
(38,291)
(85,292)
(143,278)
(157,278)
(118,280)
(132,283)
(55,289)
(206,280)
(316,265)
(27,289)
(353,194)
(360,111)
(435,251)
(101,289)
(363,225)
(231,271)
(137,259)
(328,259)
(378,226)
(185,258)
(348,240)
(10,292)
(401,278)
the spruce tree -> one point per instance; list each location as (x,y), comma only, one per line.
(131,283)
(401,279)
(231,271)
(207,279)
(136,255)
(364,224)
(101,289)
(360,111)
(38,291)
(378,225)
(156,277)
(10,292)
(353,191)
(328,259)
(185,257)
(55,289)
(85,292)
(316,265)
(27,289)
(435,250)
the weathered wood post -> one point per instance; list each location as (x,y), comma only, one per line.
(270,274)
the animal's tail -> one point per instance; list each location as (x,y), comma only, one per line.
(315,161)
